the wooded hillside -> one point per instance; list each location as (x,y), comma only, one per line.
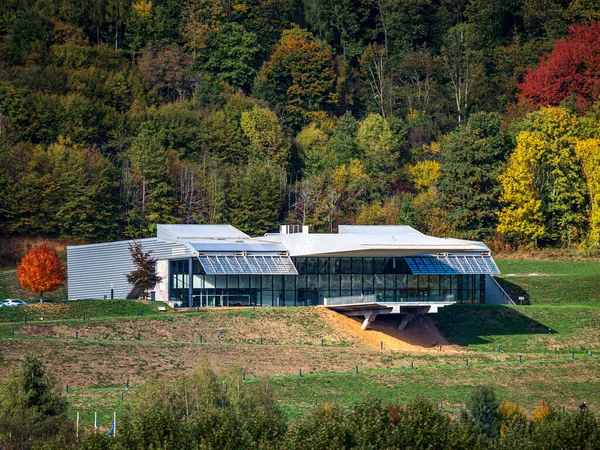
(476,119)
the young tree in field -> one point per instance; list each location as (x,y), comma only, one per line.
(31,409)
(144,276)
(41,270)
(483,410)
(570,70)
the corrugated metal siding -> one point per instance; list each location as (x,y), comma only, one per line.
(92,268)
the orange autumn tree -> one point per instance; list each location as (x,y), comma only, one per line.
(41,270)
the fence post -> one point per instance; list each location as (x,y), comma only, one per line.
(300,372)
(201,339)
(467,362)
(76,334)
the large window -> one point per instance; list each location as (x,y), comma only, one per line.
(318,278)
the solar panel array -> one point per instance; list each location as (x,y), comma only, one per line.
(452,265)
(247,265)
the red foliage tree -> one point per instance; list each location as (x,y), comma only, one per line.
(571,69)
(41,270)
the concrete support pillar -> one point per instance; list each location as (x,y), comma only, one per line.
(407,318)
(369,318)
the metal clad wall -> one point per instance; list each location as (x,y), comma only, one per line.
(92,268)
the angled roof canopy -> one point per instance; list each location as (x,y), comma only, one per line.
(247,264)
(452,265)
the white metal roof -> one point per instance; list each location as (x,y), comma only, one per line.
(376,244)
(386,230)
(236,245)
(188,232)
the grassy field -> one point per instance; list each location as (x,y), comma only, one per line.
(551,282)
(97,355)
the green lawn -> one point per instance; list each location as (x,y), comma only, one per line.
(551,282)
(93,309)
(535,328)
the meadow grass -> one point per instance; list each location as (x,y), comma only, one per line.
(551,282)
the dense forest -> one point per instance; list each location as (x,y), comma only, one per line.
(471,118)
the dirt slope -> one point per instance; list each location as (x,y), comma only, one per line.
(420,334)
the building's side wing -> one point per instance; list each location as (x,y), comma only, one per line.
(94,268)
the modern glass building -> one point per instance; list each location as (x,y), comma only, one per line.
(390,279)
(218,265)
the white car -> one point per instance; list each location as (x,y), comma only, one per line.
(14,302)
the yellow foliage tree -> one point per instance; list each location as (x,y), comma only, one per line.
(424,174)
(262,127)
(512,417)
(142,8)
(522,216)
(312,142)
(589,152)
(544,412)
(543,186)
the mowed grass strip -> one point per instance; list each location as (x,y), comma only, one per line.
(551,282)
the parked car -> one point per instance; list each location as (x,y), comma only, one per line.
(48,300)
(15,302)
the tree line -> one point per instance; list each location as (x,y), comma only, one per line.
(206,411)
(475,119)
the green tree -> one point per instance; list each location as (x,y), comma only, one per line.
(31,408)
(482,406)
(381,149)
(471,160)
(148,193)
(254,198)
(266,136)
(324,427)
(342,142)
(299,78)
(312,142)
(230,55)
(222,133)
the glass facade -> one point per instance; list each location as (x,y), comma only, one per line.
(390,279)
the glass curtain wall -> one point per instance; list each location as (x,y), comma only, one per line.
(389,279)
